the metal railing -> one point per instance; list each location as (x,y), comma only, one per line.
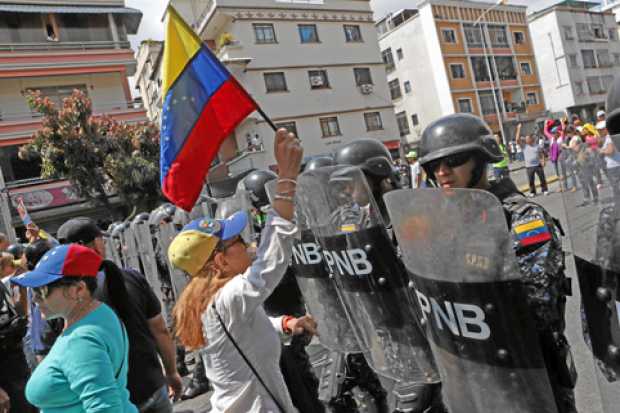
(98,108)
(48,46)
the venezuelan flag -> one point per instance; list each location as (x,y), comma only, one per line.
(202,105)
(533,232)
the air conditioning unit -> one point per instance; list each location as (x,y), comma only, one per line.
(366,89)
(316,81)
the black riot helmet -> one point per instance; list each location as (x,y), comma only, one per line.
(370,155)
(455,134)
(319,162)
(17,250)
(612,122)
(255,183)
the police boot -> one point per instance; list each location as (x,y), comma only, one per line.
(198,384)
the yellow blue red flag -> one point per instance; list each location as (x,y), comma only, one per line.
(202,105)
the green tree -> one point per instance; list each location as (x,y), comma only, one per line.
(98,155)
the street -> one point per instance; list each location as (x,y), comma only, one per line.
(590,384)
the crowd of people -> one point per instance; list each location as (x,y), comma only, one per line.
(80,334)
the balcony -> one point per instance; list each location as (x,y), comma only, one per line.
(49,46)
(18,127)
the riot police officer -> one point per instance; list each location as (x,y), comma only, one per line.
(455,151)
(286,300)
(382,176)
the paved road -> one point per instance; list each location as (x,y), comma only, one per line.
(593,394)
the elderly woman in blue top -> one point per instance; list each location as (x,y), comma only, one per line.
(227,284)
(86,369)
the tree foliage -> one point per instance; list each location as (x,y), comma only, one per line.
(98,155)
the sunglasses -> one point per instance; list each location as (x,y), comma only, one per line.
(451,161)
(45,291)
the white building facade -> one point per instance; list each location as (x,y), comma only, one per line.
(148,77)
(313,66)
(578,52)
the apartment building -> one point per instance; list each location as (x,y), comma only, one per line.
(460,56)
(578,51)
(55,47)
(314,67)
(610,5)
(148,77)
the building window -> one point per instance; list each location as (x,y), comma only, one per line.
(330,127)
(487,103)
(50,28)
(526,68)
(448,35)
(584,34)
(308,33)
(352,33)
(519,37)
(473,35)
(457,70)
(16,169)
(465,105)
(395,92)
(275,82)
(568,32)
(572,59)
(289,126)
(264,33)
(403,123)
(318,79)
(505,68)
(607,81)
(594,85)
(603,58)
(579,88)
(399,53)
(76,27)
(407,86)
(588,59)
(388,59)
(414,119)
(497,35)
(481,70)
(613,34)
(373,121)
(362,76)
(598,31)
(532,98)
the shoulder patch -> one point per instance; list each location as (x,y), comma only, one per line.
(531,231)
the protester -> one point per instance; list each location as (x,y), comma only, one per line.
(585,161)
(591,138)
(600,116)
(612,158)
(415,172)
(149,338)
(534,162)
(223,301)
(86,369)
(500,169)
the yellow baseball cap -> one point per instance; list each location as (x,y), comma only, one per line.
(193,246)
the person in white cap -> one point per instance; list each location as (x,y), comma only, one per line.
(415,171)
(600,116)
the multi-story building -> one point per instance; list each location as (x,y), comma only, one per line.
(55,47)
(460,56)
(610,5)
(148,77)
(578,51)
(313,66)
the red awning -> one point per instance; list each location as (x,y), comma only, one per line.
(392,145)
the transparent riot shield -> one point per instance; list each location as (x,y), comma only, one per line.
(164,229)
(372,282)
(317,288)
(594,233)
(112,246)
(458,251)
(240,201)
(129,247)
(116,239)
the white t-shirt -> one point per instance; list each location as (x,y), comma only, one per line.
(613,160)
(415,173)
(240,304)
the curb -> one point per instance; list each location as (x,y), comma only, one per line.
(550,180)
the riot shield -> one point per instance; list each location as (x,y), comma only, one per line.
(458,251)
(317,288)
(361,257)
(116,239)
(129,247)
(112,246)
(593,231)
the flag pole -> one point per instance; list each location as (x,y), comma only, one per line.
(266,118)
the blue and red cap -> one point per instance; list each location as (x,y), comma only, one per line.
(71,260)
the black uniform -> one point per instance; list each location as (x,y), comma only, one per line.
(542,265)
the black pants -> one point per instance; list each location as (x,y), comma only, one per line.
(13,378)
(536,170)
(302,384)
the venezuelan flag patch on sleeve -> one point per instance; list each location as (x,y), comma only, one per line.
(532,232)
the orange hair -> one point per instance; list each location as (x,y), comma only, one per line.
(193,302)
